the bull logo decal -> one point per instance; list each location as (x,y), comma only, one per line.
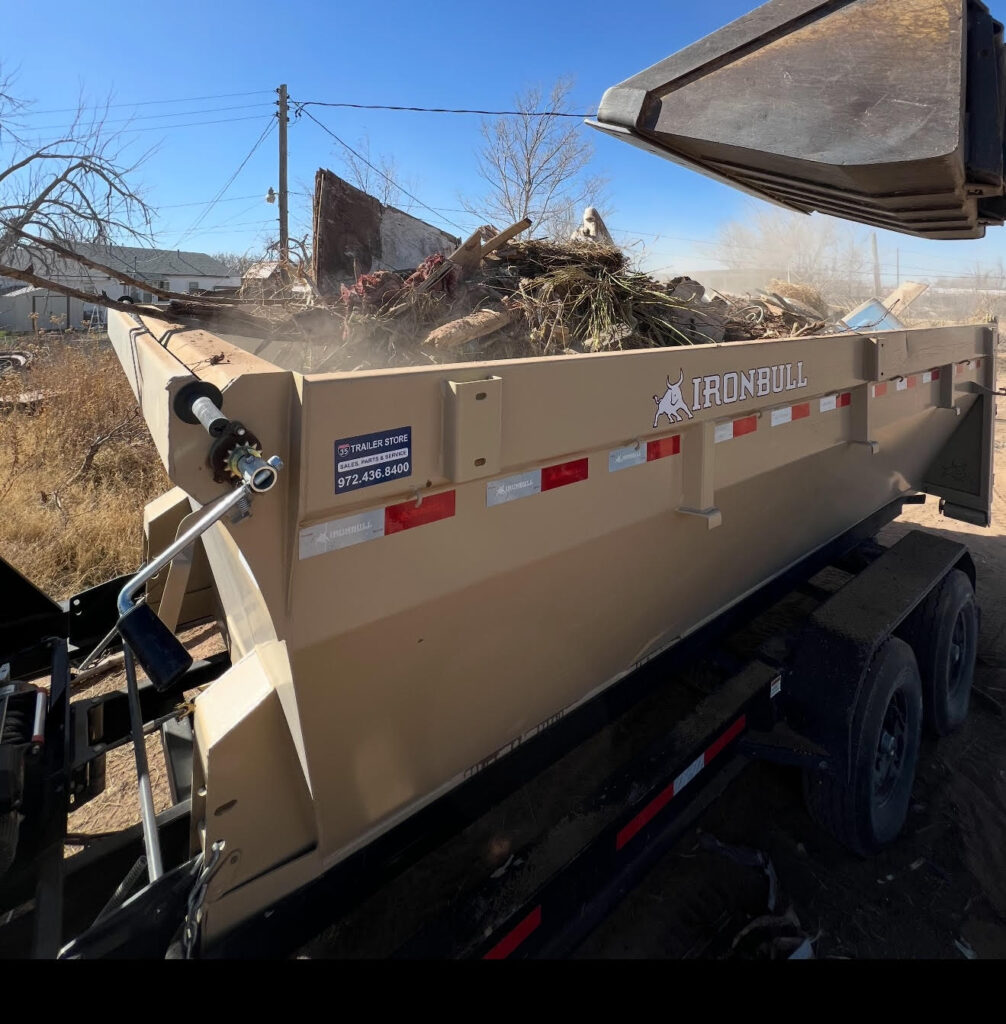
(672,405)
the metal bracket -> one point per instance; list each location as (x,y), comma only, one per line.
(698,468)
(712,516)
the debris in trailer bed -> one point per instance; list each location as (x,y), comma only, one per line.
(489,301)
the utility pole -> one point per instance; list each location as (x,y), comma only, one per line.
(876,268)
(897,284)
(284,220)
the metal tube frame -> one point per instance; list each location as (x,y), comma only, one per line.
(216,511)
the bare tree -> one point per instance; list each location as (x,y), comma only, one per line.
(75,188)
(236,262)
(379,176)
(536,164)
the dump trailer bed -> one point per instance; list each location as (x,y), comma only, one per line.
(456,557)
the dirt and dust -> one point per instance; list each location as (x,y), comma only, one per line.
(938,892)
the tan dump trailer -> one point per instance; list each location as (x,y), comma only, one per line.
(431,579)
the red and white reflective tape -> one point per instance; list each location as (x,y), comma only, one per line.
(515,936)
(638,454)
(735,428)
(379,522)
(839,401)
(904,383)
(971,364)
(790,413)
(535,481)
(643,817)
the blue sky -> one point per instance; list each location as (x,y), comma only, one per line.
(394,52)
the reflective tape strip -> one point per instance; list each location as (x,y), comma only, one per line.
(878,390)
(510,488)
(655,805)
(515,936)
(831,402)
(689,773)
(736,428)
(927,378)
(901,384)
(563,474)
(789,414)
(535,481)
(410,513)
(379,522)
(637,455)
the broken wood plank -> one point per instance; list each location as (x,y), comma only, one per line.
(903,296)
(467,328)
(505,236)
(468,257)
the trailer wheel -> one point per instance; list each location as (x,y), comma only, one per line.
(866,808)
(943,633)
(10,825)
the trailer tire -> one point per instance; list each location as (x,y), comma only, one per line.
(10,825)
(943,632)
(866,807)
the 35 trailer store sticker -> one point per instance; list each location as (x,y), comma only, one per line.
(369,459)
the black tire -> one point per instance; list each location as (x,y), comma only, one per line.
(943,632)
(865,809)
(10,825)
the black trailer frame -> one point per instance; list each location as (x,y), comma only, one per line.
(562,887)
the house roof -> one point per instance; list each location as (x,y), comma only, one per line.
(153,262)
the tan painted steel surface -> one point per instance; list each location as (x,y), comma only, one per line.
(381,657)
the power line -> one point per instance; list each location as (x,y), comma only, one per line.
(150,117)
(206,202)
(145,103)
(191,124)
(345,145)
(444,110)
(230,181)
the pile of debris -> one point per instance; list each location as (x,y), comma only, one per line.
(495,297)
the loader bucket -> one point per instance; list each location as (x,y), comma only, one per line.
(887,112)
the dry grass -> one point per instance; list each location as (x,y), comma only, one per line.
(77,467)
(805,294)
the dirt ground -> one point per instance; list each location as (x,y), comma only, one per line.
(938,892)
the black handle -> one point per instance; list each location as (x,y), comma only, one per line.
(157,649)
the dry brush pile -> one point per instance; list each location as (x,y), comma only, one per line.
(77,466)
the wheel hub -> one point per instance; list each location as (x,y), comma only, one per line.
(891,747)
(958,643)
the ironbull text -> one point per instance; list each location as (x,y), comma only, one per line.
(727,388)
